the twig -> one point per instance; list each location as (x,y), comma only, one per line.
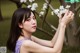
(50,25)
(44,18)
(77,8)
(50,5)
(44,31)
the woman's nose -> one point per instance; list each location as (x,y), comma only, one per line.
(33,21)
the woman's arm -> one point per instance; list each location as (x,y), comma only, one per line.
(35,47)
(50,43)
(43,42)
(55,36)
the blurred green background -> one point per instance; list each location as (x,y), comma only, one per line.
(7,9)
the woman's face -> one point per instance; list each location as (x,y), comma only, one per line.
(30,24)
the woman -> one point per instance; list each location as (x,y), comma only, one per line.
(24,24)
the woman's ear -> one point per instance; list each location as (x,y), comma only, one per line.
(20,25)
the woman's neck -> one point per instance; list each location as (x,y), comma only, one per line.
(27,34)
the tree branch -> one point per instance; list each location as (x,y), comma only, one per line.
(77,8)
(46,32)
(78,32)
(62,2)
(50,25)
(18,4)
(52,8)
(44,18)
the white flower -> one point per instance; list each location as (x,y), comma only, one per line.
(44,6)
(31,1)
(61,7)
(3,49)
(41,13)
(52,13)
(68,6)
(29,6)
(34,6)
(22,1)
(56,11)
(63,11)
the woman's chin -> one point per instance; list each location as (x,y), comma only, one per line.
(33,31)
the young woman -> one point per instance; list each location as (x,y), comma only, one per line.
(24,24)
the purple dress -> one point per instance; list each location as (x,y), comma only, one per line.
(18,45)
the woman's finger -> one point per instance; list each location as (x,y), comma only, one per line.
(72,16)
(66,13)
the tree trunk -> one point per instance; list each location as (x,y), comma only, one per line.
(17,2)
(62,2)
(72,40)
(71,30)
(0,15)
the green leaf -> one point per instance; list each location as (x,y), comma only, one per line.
(72,1)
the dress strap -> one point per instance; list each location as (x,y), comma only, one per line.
(18,44)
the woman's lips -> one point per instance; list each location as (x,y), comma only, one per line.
(34,27)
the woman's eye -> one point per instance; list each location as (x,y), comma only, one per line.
(34,18)
(28,19)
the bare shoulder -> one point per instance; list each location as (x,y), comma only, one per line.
(26,43)
(33,37)
(34,47)
(24,46)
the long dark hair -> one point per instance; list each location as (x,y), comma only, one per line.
(15,30)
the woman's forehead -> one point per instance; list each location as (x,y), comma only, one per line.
(32,14)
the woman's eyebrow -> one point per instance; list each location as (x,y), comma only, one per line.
(33,16)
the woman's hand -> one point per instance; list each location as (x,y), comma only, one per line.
(68,16)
